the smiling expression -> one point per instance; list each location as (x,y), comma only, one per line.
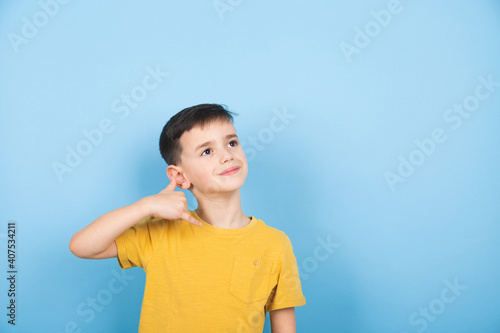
(212,158)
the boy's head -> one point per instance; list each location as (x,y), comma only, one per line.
(194,163)
(184,121)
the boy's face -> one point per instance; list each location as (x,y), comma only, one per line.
(207,153)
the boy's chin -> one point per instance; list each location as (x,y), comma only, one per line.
(214,189)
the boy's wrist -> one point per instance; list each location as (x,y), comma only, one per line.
(143,207)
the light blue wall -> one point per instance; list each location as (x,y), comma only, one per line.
(373,158)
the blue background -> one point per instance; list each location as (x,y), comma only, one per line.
(320,174)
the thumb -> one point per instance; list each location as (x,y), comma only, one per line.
(172,185)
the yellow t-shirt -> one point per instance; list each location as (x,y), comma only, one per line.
(209,279)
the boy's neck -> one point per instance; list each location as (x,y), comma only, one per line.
(223,212)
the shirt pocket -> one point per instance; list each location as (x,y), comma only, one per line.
(250,277)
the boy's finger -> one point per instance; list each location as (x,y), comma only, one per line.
(172,185)
(191,219)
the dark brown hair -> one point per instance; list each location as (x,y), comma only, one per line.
(185,120)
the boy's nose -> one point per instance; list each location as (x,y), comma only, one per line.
(227,156)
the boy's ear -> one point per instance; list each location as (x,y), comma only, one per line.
(180,178)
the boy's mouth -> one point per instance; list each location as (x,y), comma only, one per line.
(230,171)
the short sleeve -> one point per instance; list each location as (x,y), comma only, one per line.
(288,291)
(136,245)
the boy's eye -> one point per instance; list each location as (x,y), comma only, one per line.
(233,143)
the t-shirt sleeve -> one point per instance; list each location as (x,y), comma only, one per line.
(136,245)
(288,291)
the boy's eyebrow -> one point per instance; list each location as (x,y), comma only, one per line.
(229,136)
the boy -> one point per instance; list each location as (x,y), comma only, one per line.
(212,269)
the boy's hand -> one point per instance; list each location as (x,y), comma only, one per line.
(171,205)
(97,240)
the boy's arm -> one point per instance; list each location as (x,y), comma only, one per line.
(97,240)
(283,320)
